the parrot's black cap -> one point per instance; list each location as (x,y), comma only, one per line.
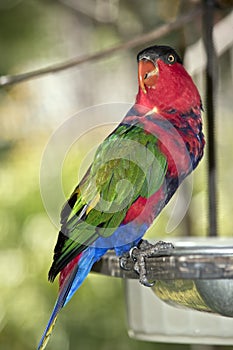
(165,53)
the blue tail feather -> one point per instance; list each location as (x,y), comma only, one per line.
(74,281)
(87,260)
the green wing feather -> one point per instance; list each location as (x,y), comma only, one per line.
(128,164)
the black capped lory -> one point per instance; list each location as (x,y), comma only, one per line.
(134,173)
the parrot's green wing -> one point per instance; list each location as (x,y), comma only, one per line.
(127,165)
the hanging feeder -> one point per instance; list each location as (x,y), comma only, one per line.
(196,275)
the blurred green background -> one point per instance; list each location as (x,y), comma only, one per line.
(36,33)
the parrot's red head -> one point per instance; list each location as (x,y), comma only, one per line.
(164,84)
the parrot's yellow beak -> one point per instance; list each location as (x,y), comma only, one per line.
(147,74)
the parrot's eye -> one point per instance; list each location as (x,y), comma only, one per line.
(170,58)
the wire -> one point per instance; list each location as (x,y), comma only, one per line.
(211,87)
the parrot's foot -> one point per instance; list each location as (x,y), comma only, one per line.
(147,250)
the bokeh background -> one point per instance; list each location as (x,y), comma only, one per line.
(38,33)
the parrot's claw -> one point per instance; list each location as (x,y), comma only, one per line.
(147,250)
(126,262)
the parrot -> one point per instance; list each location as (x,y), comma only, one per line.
(135,172)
